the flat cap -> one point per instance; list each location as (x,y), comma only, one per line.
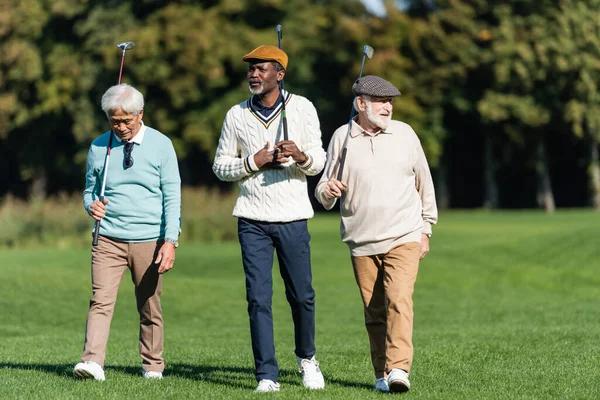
(374,86)
(268,53)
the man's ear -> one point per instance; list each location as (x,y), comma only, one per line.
(280,75)
(361,103)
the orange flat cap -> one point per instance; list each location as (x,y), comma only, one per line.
(268,53)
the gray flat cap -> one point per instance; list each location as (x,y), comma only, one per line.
(375,86)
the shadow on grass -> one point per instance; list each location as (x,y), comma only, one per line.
(240,377)
(65,370)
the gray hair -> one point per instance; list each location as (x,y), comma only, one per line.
(123,96)
(365,98)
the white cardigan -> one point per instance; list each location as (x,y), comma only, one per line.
(270,195)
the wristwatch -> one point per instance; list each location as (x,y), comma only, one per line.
(428,234)
(173,241)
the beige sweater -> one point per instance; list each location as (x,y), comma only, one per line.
(390,197)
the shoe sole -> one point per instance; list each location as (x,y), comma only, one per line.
(84,374)
(398,387)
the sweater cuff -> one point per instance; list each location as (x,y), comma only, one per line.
(250,165)
(307,164)
(427,228)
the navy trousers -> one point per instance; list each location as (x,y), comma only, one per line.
(259,240)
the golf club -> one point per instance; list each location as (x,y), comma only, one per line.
(283,112)
(123,46)
(367,52)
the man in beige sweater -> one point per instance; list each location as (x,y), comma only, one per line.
(387,205)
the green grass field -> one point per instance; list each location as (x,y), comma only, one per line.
(507,306)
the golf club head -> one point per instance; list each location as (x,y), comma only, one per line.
(368,51)
(278,29)
(126,45)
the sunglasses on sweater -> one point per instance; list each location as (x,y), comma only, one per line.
(128,160)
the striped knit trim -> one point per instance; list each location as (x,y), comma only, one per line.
(268,120)
(247,165)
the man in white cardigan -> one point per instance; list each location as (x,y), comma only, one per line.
(388,207)
(273,207)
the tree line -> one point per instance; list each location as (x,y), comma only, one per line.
(503,95)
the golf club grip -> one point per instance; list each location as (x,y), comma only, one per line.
(284,122)
(342,162)
(97,228)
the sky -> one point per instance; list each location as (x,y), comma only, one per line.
(374,6)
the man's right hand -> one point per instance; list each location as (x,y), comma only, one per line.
(269,159)
(98,210)
(334,189)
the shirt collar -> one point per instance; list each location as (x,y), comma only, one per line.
(138,137)
(259,106)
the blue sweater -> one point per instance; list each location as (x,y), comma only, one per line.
(144,200)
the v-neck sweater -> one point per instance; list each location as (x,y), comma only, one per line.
(270,195)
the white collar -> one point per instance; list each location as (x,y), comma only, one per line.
(138,136)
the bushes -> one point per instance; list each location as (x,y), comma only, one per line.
(206,215)
(61,221)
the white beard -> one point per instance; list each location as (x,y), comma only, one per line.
(377,120)
(258,90)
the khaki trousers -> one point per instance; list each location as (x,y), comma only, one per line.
(386,283)
(110,259)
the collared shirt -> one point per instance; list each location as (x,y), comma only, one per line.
(265,111)
(390,197)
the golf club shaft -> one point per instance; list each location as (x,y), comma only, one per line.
(345,147)
(103,188)
(121,69)
(281,86)
(106,159)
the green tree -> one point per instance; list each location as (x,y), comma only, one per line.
(522,74)
(448,42)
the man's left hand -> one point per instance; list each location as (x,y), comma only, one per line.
(165,257)
(287,148)
(424,246)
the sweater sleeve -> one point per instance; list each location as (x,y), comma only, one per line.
(331,168)
(313,148)
(91,191)
(424,184)
(170,182)
(228,165)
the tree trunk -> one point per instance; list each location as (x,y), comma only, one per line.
(441,185)
(490,185)
(594,174)
(545,198)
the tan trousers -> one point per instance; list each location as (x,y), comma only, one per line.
(386,283)
(110,259)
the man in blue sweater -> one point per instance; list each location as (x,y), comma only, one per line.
(140,226)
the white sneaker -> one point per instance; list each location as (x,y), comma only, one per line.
(267,385)
(381,385)
(89,369)
(311,373)
(152,375)
(398,381)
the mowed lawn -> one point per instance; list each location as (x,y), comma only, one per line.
(507,306)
